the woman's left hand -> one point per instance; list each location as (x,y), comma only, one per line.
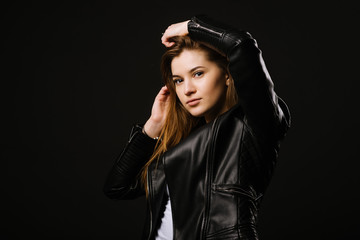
(177,29)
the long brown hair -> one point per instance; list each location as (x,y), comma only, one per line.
(179,122)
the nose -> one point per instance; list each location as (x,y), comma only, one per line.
(189,88)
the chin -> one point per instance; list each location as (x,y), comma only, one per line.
(196,113)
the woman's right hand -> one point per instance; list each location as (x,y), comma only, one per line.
(159,111)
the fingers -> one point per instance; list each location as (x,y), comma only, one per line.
(168,44)
(177,29)
(163,94)
(164,90)
(159,110)
(165,39)
(166,35)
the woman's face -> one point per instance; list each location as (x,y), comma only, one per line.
(200,84)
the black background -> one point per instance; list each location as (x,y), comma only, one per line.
(77,76)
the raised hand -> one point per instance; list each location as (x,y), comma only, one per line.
(159,111)
(177,29)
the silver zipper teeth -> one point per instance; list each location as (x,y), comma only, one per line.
(202,235)
(148,187)
(208,30)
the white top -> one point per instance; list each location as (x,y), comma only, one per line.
(165,231)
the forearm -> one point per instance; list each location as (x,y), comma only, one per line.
(219,35)
(122,181)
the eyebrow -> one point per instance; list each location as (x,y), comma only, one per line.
(191,70)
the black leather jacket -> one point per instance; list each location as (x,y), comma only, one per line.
(219,173)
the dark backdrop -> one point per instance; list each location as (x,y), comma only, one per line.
(77,76)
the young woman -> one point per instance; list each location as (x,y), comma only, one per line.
(206,155)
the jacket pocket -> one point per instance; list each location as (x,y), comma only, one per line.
(229,233)
(235,189)
(232,210)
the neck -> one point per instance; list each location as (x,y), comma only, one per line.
(211,116)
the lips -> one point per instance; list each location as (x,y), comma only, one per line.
(193,102)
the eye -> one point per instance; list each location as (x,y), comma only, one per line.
(177,81)
(198,74)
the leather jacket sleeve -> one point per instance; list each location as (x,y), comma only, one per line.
(123,180)
(265,112)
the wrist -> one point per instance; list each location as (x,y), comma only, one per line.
(186,23)
(152,129)
(145,133)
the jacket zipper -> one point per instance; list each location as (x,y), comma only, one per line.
(208,177)
(149,199)
(208,29)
